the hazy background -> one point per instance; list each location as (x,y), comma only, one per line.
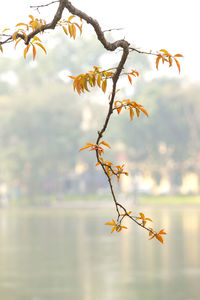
(54,201)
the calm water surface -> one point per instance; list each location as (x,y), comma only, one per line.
(70,254)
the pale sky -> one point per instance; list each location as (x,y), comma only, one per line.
(173,25)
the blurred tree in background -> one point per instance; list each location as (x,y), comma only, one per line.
(42,120)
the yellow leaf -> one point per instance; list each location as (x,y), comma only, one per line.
(104,85)
(34,52)
(99,79)
(105,144)
(70,30)
(73,31)
(36,38)
(70,18)
(1,48)
(22,24)
(65,30)
(6,29)
(84,81)
(41,46)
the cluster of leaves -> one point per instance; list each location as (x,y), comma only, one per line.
(130,105)
(92,78)
(70,27)
(21,34)
(24,29)
(165,56)
(109,168)
(116,226)
(98,78)
(96,147)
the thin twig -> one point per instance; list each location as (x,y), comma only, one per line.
(44,5)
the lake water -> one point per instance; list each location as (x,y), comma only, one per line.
(70,254)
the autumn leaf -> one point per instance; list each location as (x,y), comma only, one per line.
(106,144)
(41,46)
(143,219)
(116,227)
(119,109)
(65,30)
(26,50)
(178,64)
(128,213)
(178,55)
(157,61)
(130,79)
(87,146)
(99,79)
(104,85)
(34,52)
(70,18)
(131,113)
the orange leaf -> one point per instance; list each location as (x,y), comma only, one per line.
(137,112)
(34,52)
(128,213)
(87,146)
(159,238)
(111,223)
(119,109)
(144,111)
(26,50)
(30,16)
(178,64)
(157,61)
(17,42)
(104,143)
(178,55)
(131,113)
(130,79)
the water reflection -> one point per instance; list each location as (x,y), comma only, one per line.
(70,254)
